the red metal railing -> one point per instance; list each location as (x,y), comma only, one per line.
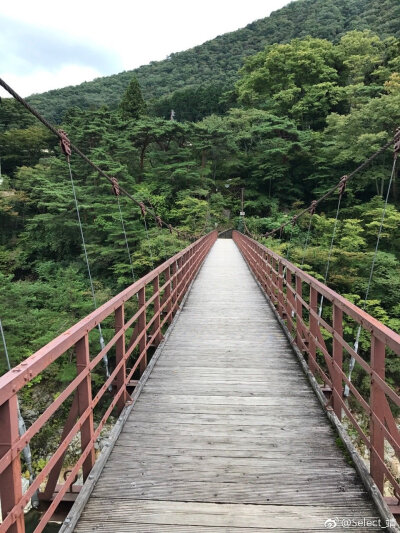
(167,285)
(296,296)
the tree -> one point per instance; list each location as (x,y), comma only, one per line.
(132,104)
(298,79)
(361,52)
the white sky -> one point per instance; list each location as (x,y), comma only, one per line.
(47,44)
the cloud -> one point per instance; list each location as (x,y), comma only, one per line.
(41,80)
(42,50)
(25,49)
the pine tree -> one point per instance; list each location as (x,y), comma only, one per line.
(132,104)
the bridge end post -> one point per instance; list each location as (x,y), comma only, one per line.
(10,479)
(84,394)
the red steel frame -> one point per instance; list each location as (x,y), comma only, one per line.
(177,274)
(285,285)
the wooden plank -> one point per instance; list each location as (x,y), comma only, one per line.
(227,435)
(228,400)
(291,517)
(121,527)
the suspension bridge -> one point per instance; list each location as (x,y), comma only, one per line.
(230,381)
(230,427)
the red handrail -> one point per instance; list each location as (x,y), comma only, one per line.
(152,316)
(284,283)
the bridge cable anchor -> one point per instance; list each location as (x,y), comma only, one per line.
(313,207)
(65,144)
(142,209)
(342,185)
(115,188)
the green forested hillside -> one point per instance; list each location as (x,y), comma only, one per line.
(301,114)
(218,61)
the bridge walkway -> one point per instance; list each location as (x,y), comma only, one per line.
(227,434)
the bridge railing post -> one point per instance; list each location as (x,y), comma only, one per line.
(189,267)
(120,357)
(167,294)
(174,277)
(84,393)
(313,334)
(263,269)
(275,273)
(281,299)
(157,321)
(258,254)
(142,330)
(178,283)
(290,301)
(10,479)
(264,264)
(377,403)
(184,262)
(269,277)
(337,360)
(299,311)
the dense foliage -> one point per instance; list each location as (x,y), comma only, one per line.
(217,62)
(302,114)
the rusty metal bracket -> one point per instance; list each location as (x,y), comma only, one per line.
(115,187)
(65,144)
(342,185)
(142,208)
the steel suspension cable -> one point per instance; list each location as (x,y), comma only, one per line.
(362,166)
(63,138)
(158,222)
(101,338)
(163,242)
(126,239)
(148,241)
(305,247)
(328,263)
(371,273)
(290,241)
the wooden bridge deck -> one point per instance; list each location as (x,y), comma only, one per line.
(227,434)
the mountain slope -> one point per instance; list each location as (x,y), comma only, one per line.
(218,60)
